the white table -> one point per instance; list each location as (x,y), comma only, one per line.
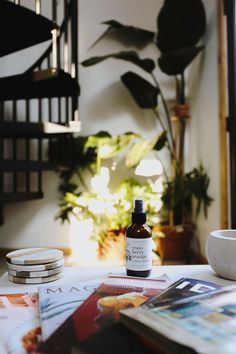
(74,275)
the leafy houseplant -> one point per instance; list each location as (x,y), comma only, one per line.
(82,160)
(180,26)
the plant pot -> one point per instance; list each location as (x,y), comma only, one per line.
(174,241)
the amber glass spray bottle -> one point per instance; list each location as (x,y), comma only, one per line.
(138,243)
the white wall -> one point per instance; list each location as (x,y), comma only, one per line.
(204,128)
(105,104)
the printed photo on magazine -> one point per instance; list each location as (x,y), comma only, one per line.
(205,323)
(101,309)
(19,322)
(58,302)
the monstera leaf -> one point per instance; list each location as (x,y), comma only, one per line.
(130,35)
(144,93)
(146,64)
(175,63)
(180,24)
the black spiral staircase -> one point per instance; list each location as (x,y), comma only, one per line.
(49,85)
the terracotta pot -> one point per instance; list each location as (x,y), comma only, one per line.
(175,243)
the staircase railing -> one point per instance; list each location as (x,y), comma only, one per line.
(51,84)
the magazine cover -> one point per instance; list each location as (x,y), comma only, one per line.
(19,323)
(206,323)
(180,289)
(57,303)
(101,309)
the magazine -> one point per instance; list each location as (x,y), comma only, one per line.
(180,289)
(101,309)
(118,336)
(57,303)
(19,323)
(205,323)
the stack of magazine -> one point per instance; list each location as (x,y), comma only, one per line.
(120,314)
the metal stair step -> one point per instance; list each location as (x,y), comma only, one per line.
(36,130)
(41,84)
(7,198)
(22,28)
(25,166)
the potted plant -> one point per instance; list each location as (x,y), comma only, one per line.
(86,165)
(180,26)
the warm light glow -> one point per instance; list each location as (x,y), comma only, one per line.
(158,185)
(103,203)
(96,206)
(156,204)
(100,182)
(81,201)
(155,219)
(127,206)
(114,164)
(84,250)
(149,168)
(104,150)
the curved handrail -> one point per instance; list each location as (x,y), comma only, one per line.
(48,50)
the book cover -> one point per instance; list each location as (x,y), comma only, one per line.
(19,323)
(101,309)
(205,323)
(57,303)
(180,289)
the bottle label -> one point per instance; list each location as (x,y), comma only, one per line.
(138,253)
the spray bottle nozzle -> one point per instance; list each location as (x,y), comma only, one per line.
(138,205)
(139,215)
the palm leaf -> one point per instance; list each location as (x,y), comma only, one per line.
(144,93)
(175,63)
(130,35)
(161,141)
(180,24)
(146,64)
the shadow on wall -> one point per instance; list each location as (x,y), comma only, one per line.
(113,102)
(23,228)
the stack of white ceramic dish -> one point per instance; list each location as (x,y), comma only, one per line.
(35,265)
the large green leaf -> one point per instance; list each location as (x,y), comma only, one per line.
(110,146)
(129,35)
(196,182)
(100,138)
(144,93)
(138,150)
(115,146)
(180,24)
(174,63)
(146,64)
